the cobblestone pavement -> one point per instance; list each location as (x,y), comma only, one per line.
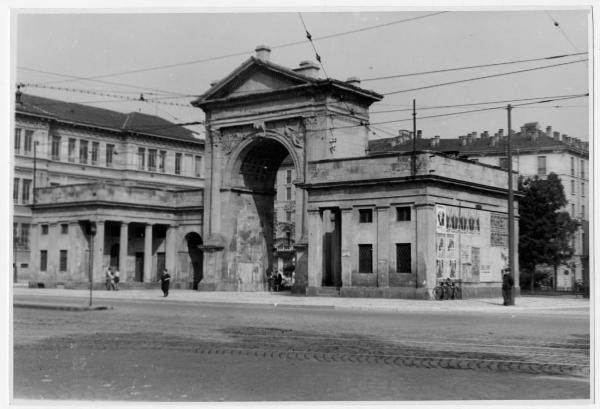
(427,347)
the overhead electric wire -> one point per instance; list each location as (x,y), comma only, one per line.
(159,67)
(482,77)
(553,57)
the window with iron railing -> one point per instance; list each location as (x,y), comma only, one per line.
(365,258)
(403,258)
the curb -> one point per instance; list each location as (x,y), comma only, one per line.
(61,307)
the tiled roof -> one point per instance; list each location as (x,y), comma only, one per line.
(100,117)
(477,146)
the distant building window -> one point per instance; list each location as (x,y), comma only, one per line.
(161,161)
(503,163)
(18,140)
(63,260)
(403,258)
(572,187)
(141,158)
(110,151)
(288,193)
(365,258)
(582,166)
(28,142)
(64,228)
(198,166)
(26,190)
(83,151)
(178,163)
(55,147)
(16,190)
(572,210)
(44,229)
(15,234)
(403,214)
(152,159)
(24,239)
(541,165)
(72,142)
(582,189)
(95,148)
(43,260)
(572,166)
(288,176)
(365,215)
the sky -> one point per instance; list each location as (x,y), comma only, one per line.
(104,45)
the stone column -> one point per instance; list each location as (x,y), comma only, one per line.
(170,249)
(315,248)
(147,254)
(123,247)
(382,252)
(425,242)
(53,253)
(347,246)
(99,267)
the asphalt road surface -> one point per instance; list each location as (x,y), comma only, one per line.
(171,351)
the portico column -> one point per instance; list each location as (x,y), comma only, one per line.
(147,254)
(123,245)
(98,270)
(170,251)
(382,253)
(53,252)
(315,248)
(347,246)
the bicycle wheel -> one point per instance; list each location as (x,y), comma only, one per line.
(438,293)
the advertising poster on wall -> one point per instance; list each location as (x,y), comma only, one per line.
(440,213)
(475,263)
(450,246)
(439,268)
(498,230)
(440,246)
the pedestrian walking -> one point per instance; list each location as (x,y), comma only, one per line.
(116,279)
(110,280)
(165,280)
(278,281)
(507,285)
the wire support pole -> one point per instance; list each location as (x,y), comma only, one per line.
(511,210)
(414,141)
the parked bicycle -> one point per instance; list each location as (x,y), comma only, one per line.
(448,289)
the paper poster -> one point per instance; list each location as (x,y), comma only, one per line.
(450,246)
(440,212)
(441,246)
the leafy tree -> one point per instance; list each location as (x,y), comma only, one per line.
(545,232)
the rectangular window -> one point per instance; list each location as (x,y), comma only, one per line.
(26,190)
(95,148)
(572,187)
(365,215)
(187,165)
(64,228)
(18,140)
(582,189)
(572,166)
(141,158)
(403,260)
(28,142)
(44,229)
(365,258)
(178,163)
(43,260)
(198,166)
(503,163)
(541,165)
(55,147)
(24,239)
(63,260)
(152,159)
(109,154)
(72,142)
(16,190)
(161,161)
(83,151)
(581,165)
(403,214)
(288,176)
(16,234)
(572,210)
(288,193)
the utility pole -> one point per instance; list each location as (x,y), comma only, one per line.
(414,149)
(511,211)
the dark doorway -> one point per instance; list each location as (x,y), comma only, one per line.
(114,255)
(194,241)
(160,264)
(139,266)
(332,248)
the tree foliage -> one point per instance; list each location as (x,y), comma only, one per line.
(545,232)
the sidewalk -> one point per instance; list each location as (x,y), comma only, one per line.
(539,305)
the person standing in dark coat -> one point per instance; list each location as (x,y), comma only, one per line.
(165,280)
(507,285)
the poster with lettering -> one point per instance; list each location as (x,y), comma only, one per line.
(498,230)
(475,263)
(440,213)
(451,246)
(439,268)
(441,246)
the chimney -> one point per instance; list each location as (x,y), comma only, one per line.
(565,138)
(556,135)
(462,140)
(469,139)
(419,133)
(549,131)
(485,134)
(263,52)
(308,68)
(353,81)
(435,141)
(494,139)
(501,133)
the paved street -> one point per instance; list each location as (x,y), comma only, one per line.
(149,348)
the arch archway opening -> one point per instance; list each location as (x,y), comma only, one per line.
(194,241)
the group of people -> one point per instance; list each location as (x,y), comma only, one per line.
(112,279)
(274,281)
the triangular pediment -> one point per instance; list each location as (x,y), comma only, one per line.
(255,76)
